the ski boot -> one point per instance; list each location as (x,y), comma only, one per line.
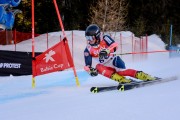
(143,76)
(120,79)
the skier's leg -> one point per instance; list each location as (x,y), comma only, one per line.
(136,74)
(104,70)
(127,72)
(119,78)
(119,65)
(111,73)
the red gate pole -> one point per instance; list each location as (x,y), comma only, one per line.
(33,54)
(62,28)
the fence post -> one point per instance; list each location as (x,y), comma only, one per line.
(8,37)
(121,42)
(146,42)
(47,40)
(15,38)
(170,35)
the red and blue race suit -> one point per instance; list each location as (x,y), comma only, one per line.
(109,65)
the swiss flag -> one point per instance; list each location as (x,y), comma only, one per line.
(56,58)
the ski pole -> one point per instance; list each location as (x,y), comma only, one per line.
(144,52)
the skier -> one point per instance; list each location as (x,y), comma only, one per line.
(109,65)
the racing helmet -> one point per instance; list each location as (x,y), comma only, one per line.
(93,31)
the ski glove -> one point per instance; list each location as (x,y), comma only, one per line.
(93,71)
(104,53)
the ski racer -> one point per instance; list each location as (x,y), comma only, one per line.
(109,65)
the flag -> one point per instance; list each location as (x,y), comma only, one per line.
(56,58)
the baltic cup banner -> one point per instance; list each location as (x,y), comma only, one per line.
(57,58)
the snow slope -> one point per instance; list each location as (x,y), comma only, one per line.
(56,96)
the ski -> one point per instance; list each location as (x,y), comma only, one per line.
(103,89)
(109,88)
(132,85)
(148,83)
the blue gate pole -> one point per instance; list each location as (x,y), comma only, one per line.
(171,35)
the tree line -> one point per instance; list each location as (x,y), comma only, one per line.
(139,16)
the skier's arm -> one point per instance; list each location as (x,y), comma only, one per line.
(87,58)
(112,46)
(111,43)
(88,62)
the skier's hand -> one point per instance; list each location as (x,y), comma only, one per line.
(93,71)
(104,52)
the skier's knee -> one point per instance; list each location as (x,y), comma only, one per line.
(106,71)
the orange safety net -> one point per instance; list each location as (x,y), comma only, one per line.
(16,36)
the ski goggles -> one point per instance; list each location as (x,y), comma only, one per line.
(90,38)
(101,57)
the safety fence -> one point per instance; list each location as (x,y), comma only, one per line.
(129,43)
(126,40)
(14,37)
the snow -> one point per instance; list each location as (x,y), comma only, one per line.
(56,96)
